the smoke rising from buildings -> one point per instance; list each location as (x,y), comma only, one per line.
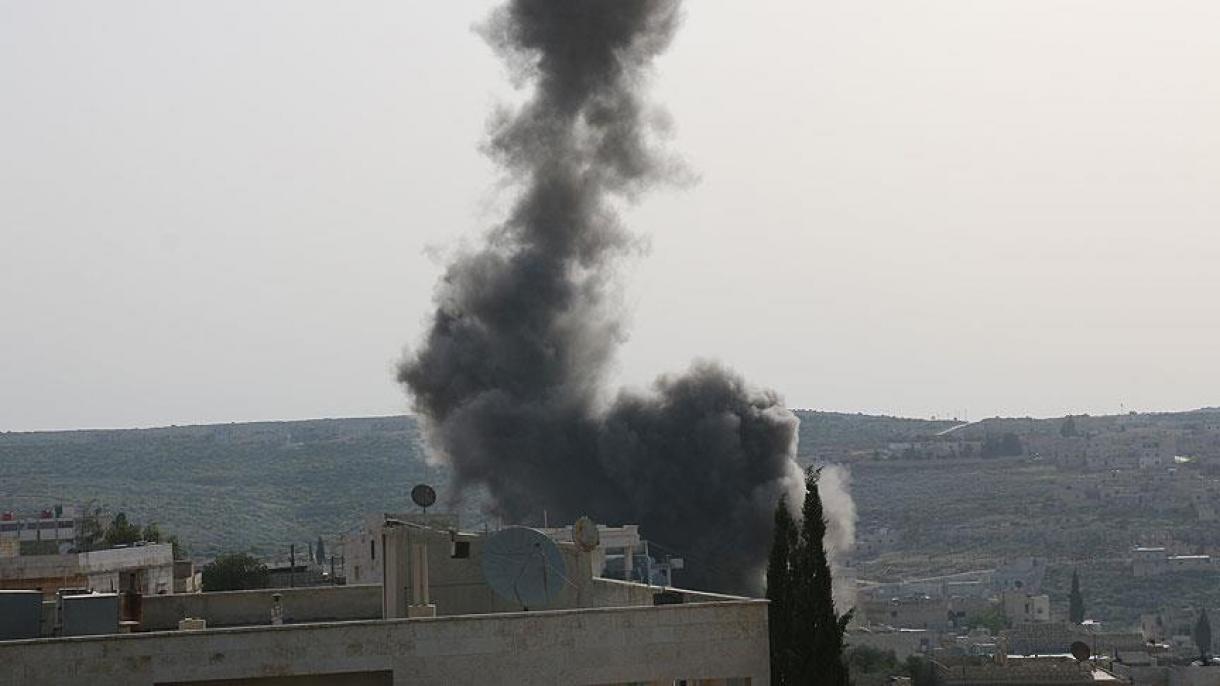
(834,487)
(510,379)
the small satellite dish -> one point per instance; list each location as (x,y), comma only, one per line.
(523,566)
(1080,650)
(585,534)
(423,495)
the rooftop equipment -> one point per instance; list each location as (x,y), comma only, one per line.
(20,614)
(524,566)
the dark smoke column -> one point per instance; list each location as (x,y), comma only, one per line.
(510,378)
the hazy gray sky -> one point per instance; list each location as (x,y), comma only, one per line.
(222,210)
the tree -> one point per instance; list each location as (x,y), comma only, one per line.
(180,551)
(818,630)
(319,553)
(152,533)
(1007,445)
(234,572)
(1068,428)
(806,633)
(1203,635)
(1075,601)
(870,660)
(121,531)
(992,618)
(779,592)
(920,670)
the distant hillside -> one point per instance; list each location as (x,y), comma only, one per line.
(263,485)
(861,431)
(226,486)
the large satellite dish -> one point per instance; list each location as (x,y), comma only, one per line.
(423,495)
(1080,650)
(523,566)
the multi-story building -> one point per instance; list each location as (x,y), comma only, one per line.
(1022,608)
(911,612)
(55,527)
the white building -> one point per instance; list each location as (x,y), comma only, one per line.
(145,569)
(1023,608)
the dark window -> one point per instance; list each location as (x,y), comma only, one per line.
(461,549)
(373,549)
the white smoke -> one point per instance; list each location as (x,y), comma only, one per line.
(834,487)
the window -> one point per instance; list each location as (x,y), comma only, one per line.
(372,549)
(461,549)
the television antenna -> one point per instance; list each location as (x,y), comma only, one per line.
(523,566)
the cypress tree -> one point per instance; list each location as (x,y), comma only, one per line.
(1075,601)
(817,629)
(1203,635)
(779,592)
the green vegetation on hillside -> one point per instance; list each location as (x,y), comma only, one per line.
(229,487)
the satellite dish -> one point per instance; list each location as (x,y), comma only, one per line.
(523,566)
(423,495)
(1080,650)
(585,534)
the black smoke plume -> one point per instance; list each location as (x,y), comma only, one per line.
(510,378)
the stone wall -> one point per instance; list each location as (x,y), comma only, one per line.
(596,646)
(246,608)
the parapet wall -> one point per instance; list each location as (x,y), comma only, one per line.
(349,603)
(718,640)
(246,608)
(604,592)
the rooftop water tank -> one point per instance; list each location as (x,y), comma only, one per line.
(20,614)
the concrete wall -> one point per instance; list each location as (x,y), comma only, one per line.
(345,603)
(98,570)
(615,593)
(245,608)
(598,646)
